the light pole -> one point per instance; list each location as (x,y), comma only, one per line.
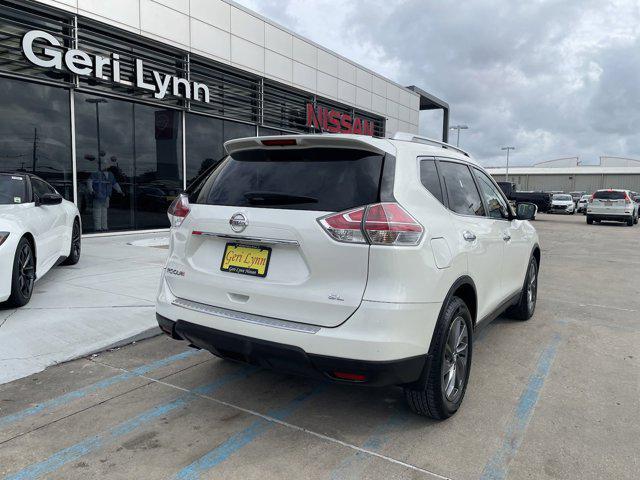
(458,128)
(507,149)
(97,102)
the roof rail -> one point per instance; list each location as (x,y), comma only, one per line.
(410,137)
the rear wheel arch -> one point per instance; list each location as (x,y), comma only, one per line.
(465,289)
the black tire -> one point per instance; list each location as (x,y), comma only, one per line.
(76,245)
(589,220)
(434,401)
(23,275)
(526,305)
(635,220)
(630,222)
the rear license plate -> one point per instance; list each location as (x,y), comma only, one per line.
(608,204)
(246,259)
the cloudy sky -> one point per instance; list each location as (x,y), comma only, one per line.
(554,78)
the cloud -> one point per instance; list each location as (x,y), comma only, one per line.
(553,78)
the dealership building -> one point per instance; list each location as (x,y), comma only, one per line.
(569,175)
(120,104)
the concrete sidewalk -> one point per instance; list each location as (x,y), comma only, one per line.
(106,300)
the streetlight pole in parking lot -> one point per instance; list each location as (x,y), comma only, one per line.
(458,128)
(507,149)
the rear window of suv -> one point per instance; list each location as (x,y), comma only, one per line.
(321,179)
(13,189)
(609,195)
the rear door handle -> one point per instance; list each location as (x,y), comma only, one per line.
(469,236)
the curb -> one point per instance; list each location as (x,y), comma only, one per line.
(144,335)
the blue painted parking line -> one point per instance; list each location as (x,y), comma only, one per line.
(353,466)
(100,440)
(239,440)
(82,392)
(497,467)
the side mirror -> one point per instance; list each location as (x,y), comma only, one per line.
(50,199)
(526,211)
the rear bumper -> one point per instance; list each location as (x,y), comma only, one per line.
(614,217)
(294,360)
(379,337)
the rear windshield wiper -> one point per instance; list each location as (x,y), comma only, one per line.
(275,198)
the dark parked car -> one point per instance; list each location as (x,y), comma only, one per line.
(542,200)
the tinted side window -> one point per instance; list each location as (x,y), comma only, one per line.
(495,202)
(461,189)
(430,179)
(40,188)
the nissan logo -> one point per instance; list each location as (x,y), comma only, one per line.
(238,222)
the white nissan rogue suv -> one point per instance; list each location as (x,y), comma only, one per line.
(349,258)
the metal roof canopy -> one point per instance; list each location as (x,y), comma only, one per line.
(431,102)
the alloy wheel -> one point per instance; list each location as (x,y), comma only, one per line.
(75,240)
(456,360)
(532,286)
(26,271)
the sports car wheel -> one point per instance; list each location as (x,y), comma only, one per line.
(76,245)
(24,274)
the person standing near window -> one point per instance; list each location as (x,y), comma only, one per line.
(101,185)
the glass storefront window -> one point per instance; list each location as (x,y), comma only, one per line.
(205,137)
(129,163)
(158,164)
(35,132)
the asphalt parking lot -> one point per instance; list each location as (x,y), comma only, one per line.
(555,397)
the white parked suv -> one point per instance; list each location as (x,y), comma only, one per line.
(562,203)
(350,258)
(614,205)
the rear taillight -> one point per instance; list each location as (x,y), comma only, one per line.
(627,200)
(178,210)
(377,224)
(351,377)
(390,224)
(345,226)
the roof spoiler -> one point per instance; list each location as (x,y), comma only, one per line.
(410,137)
(279,142)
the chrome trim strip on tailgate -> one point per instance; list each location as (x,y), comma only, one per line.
(245,317)
(263,240)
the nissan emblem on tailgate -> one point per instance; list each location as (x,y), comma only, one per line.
(238,222)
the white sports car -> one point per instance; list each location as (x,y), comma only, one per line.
(38,230)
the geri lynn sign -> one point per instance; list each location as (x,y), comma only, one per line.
(81,63)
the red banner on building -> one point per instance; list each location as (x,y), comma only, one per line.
(334,121)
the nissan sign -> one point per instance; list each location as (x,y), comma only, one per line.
(334,121)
